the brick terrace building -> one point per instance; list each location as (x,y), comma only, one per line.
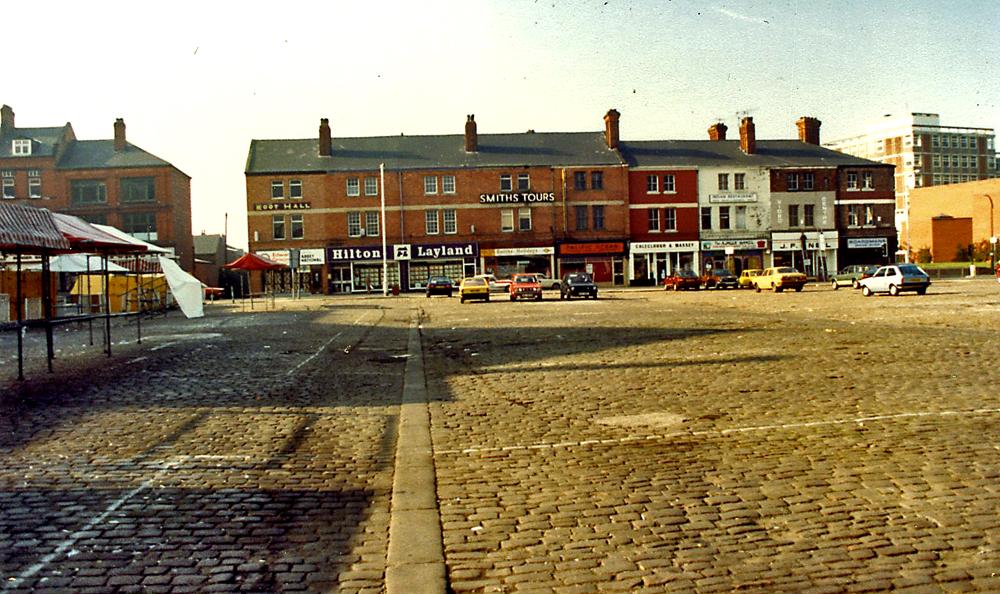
(111,182)
(455,205)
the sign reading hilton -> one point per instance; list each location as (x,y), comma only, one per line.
(517,198)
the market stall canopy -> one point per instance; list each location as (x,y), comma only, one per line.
(83,236)
(29,230)
(78,263)
(254,262)
(151,248)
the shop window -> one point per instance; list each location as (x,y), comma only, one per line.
(524,219)
(507,220)
(596,180)
(298,226)
(88,191)
(653,220)
(278,227)
(431,222)
(580,180)
(598,212)
(670,219)
(580,216)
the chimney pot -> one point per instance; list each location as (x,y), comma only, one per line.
(325,145)
(748,136)
(611,128)
(471,135)
(809,129)
(119,135)
(717,131)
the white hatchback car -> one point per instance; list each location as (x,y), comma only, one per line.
(895,278)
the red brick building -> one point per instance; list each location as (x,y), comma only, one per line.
(111,182)
(454,205)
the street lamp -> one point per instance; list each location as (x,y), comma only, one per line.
(993,237)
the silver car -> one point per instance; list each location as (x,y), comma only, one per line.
(895,278)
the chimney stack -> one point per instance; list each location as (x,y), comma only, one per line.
(471,136)
(119,135)
(748,136)
(809,129)
(6,118)
(717,131)
(611,128)
(325,147)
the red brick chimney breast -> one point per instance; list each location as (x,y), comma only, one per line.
(748,136)
(717,131)
(325,146)
(119,135)
(471,136)
(611,128)
(808,129)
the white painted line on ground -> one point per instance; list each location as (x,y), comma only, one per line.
(725,432)
(164,345)
(322,348)
(137,359)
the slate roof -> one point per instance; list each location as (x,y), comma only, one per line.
(101,154)
(431,152)
(709,153)
(207,243)
(45,140)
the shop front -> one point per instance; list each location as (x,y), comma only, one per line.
(868,250)
(651,261)
(735,255)
(304,273)
(359,269)
(811,252)
(423,261)
(604,261)
(503,262)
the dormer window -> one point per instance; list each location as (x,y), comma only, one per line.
(21,147)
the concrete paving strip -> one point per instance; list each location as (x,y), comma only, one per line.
(415,562)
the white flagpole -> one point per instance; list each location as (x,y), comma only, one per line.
(385,256)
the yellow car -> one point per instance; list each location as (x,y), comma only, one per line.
(779,279)
(746,277)
(475,287)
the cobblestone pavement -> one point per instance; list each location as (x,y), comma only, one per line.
(238,452)
(719,441)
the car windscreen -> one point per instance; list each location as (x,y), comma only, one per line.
(911,269)
(474,282)
(578,278)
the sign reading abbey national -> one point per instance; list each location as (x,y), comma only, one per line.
(517,198)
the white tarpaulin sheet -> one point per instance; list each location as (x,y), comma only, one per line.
(78,263)
(186,289)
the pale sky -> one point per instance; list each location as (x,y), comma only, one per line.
(195,81)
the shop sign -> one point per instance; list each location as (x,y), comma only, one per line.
(444,250)
(742,197)
(341,254)
(736,244)
(526,251)
(646,247)
(791,245)
(311,256)
(580,249)
(862,243)
(282,206)
(517,198)
(279,256)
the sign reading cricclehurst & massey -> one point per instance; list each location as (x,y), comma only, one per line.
(517,198)
(282,206)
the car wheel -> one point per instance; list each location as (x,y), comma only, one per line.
(893,290)
(512,298)
(756,287)
(539,298)
(487,298)
(866,291)
(855,284)
(462,299)
(798,289)
(922,291)
(777,289)
(835,285)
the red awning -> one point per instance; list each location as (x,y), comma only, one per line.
(254,262)
(85,237)
(29,230)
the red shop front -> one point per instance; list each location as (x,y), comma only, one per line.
(604,261)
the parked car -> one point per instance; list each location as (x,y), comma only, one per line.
(496,285)
(440,285)
(525,286)
(779,279)
(475,287)
(577,284)
(681,279)
(546,282)
(852,275)
(746,277)
(895,278)
(720,278)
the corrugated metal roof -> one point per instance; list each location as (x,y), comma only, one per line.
(29,230)
(431,152)
(722,153)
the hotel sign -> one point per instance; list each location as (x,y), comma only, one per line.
(282,206)
(737,197)
(517,198)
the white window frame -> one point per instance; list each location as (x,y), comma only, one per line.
(449,219)
(448,184)
(354,223)
(295,188)
(431,225)
(297,220)
(277,189)
(669,219)
(523,216)
(723,182)
(852,180)
(523,182)
(278,222)
(669,184)
(854,212)
(35,186)
(653,220)
(371,186)
(353,186)
(725,217)
(808,181)
(430,185)
(371,223)
(652,184)
(867,181)
(506,182)
(8,188)
(792,182)
(507,220)
(869,215)
(597,217)
(739,181)
(21,147)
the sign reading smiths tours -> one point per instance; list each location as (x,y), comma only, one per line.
(517,198)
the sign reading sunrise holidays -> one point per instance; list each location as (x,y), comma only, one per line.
(517,198)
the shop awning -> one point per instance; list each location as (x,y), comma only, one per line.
(254,262)
(84,237)
(29,230)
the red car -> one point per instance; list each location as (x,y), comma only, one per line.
(525,286)
(682,279)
